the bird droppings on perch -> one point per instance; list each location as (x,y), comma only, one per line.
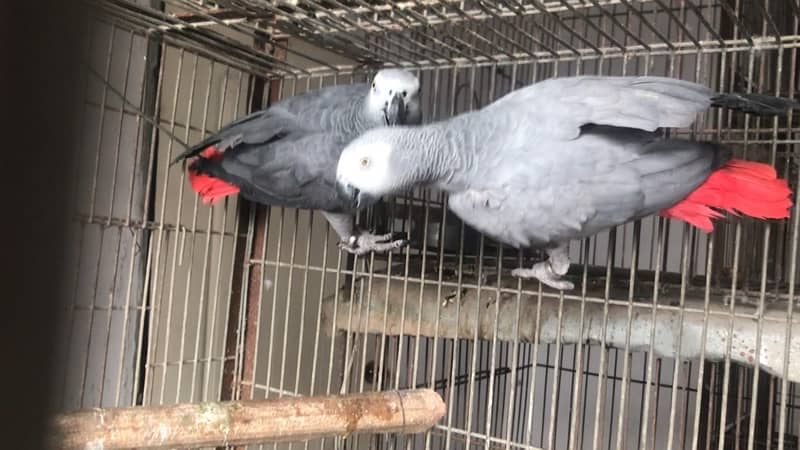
(249,422)
(428,318)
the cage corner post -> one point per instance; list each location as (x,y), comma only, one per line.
(240,341)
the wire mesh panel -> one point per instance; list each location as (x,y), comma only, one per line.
(143,248)
(178,301)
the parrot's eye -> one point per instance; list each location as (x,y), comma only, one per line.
(373,85)
(364,162)
(405,94)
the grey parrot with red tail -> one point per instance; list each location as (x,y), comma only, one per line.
(565,158)
(286,155)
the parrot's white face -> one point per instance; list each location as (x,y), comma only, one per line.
(364,173)
(394,97)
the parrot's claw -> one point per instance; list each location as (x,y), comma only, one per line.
(451,297)
(550,272)
(366,242)
(545,273)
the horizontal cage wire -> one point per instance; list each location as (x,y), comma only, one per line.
(174,301)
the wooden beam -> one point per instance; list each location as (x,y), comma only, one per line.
(249,421)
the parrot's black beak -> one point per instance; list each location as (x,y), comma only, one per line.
(354,196)
(348,193)
(395,111)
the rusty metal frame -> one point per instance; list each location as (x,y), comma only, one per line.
(245,301)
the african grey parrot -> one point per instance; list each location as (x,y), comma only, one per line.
(286,155)
(565,158)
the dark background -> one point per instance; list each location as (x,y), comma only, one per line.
(38,45)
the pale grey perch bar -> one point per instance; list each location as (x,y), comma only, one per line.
(743,347)
(248,422)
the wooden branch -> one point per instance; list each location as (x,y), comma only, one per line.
(248,422)
(771,351)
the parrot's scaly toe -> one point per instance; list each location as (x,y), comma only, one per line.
(543,272)
(367,242)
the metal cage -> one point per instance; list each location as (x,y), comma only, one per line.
(175,301)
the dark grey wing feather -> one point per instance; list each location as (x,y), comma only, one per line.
(255,128)
(759,104)
(327,109)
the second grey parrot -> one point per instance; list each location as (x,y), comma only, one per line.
(565,158)
(286,155)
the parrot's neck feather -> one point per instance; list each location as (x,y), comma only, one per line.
(438,155)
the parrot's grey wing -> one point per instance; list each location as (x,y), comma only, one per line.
(607,177)
(650,179)
(298,170)
(255,128)
(325,109)
(561,106)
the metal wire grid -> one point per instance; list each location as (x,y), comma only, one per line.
(141,248)
(438,33)
(413,361)
(143,259)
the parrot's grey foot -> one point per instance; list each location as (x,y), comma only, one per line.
(544,272)
(549,272)
(366,242)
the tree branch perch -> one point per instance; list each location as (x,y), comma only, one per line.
(743,349)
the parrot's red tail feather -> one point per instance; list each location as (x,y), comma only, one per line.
(739,187)
(210,189)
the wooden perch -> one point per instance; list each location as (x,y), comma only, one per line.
(771,352)
(247,422)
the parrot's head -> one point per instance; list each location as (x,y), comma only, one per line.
(394,98)
(369,168)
